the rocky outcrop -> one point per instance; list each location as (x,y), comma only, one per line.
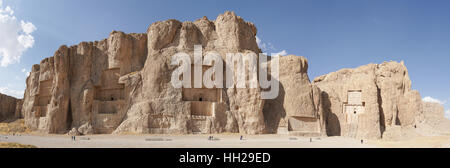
(18,113)
(8,106)
(433,112)
(122,84)
(434,116)
(160,108)
(298,108)
(79,85)
(362,102)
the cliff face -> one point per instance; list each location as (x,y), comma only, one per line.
(8,106)
(157,107)
(434,116)
(123,85)
(71,88)
(298,108)
(363,102)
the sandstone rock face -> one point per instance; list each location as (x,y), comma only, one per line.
(18,112)
(434,116)
(160,108)
(433,112)
(122,84)
(362,102)
(298,108)
(80,86)
(7,106)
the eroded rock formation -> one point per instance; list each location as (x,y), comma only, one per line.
(157,107)
(8,107)
(297,109)
(362,102)
(434,116)
(122,84)
(79,86)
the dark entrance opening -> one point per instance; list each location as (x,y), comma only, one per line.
(69,118)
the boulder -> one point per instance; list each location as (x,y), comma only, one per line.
(74,132)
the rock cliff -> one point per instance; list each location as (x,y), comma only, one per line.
(122,84)
(8,107)
(363,102)
(79,86)
(298,108)
(434,116)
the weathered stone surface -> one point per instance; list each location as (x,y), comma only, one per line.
(400,105)
(160,108)
(122,84)
(7,106)
(74,132)
(387,100)
(18,112)
(434,116)
(79,86)
(297,109)
(433,112)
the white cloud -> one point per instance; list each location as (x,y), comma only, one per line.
(28,27)
(433,100)
(281,53)
(258,41)
(12,92)
(265,47)
(27,73)
(268,48)
(15,36)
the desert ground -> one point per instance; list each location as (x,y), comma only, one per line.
(14,134)
(221,141)
(182,141)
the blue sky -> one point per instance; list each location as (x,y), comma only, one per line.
(332,34)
